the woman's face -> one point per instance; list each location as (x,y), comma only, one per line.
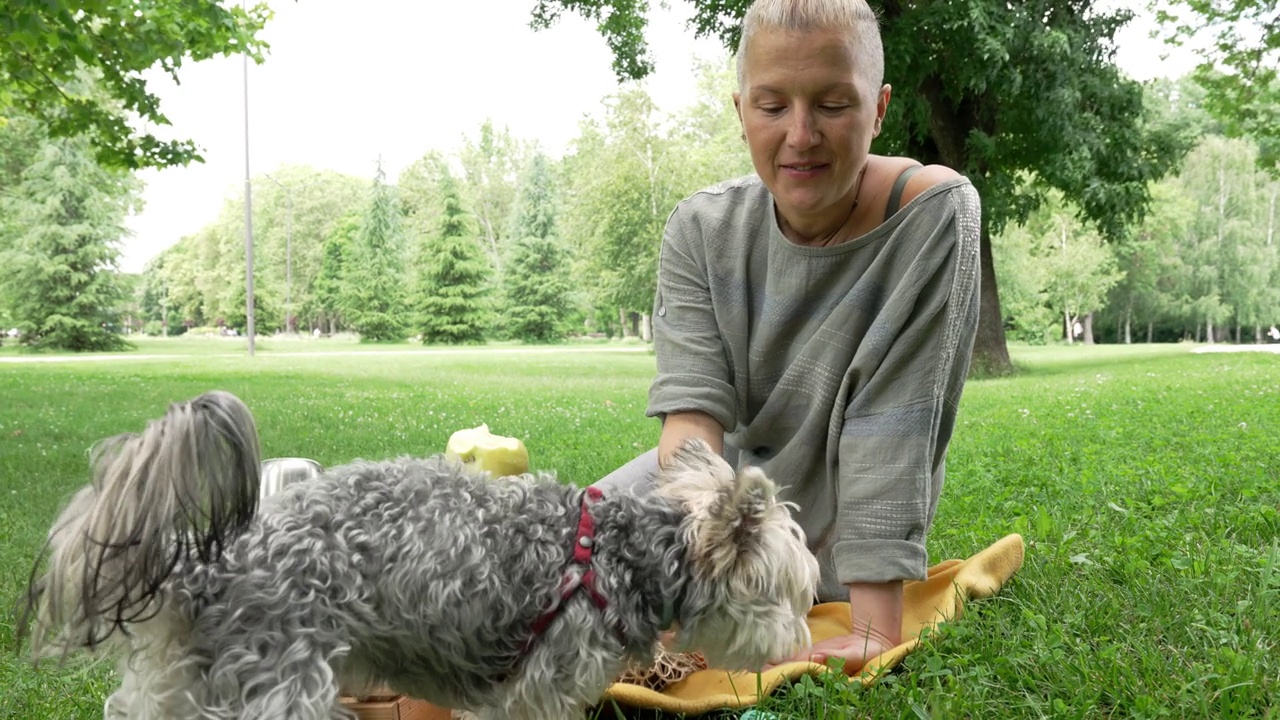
(809,117)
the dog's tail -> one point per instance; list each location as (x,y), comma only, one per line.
(177,491)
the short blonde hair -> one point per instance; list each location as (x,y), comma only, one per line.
(854,17)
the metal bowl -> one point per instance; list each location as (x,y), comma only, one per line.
(279,473)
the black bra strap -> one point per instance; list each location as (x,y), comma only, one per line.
(895,195)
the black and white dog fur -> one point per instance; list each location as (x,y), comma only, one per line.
(442,583)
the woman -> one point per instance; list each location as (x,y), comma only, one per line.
(817,319)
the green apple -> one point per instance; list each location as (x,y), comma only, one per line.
(480,449)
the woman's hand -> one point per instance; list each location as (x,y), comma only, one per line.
(852,651)
(875,610)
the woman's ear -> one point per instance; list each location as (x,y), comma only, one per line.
(737,108)
(882,105)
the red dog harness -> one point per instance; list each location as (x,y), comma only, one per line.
(583,543)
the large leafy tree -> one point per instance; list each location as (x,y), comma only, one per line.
(78,67)
(1150,293)
(1054,271)
(708,134)
(1229,244)
(490,164)
(990,88)
(59,241)
(623,182)
(295,211)
(159,311)
(1239,64)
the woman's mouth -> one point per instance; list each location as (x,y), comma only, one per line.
(802,170)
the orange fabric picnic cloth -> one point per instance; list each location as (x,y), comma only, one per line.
(937,599)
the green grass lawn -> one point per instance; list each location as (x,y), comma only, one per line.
(1145,480)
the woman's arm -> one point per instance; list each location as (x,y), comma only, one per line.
(680,426)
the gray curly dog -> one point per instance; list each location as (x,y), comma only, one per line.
(515,597)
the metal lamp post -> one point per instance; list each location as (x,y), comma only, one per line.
(248,217)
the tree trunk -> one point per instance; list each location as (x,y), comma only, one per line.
(1128,327)
(1066,327)
(646,327)
(1151,331)
(1271,215)
(1237,333)
(990,349)
(1088,329)
(1208,331)
(948,135)
(1257,334)
(622,321)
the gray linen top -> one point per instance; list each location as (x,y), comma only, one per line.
(837,370)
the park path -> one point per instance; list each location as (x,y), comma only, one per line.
(108,357)
(1223,348)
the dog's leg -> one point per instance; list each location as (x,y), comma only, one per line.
(567,670)
(288,680)
(159,675)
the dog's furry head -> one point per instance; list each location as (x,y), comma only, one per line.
(159,498)
(753,579)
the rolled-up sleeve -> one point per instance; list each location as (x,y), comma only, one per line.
(693,370)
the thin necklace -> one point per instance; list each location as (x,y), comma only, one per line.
(856,194)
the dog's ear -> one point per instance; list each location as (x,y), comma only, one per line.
(728,519)
(753,494)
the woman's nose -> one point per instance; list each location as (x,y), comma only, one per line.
(802,134)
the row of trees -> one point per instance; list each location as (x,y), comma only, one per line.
(497,241)
(502,241)
(1044,122)
(579,241)
(1203,265)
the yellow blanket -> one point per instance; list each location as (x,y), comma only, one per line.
(938,599)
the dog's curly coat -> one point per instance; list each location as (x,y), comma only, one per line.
(415,573)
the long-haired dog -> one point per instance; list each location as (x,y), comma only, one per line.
(520,597)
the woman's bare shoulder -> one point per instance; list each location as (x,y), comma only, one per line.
(926,177)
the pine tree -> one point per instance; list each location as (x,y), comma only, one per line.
(64,216)
(538,290)
(375,284)
(534,213)
(450,293)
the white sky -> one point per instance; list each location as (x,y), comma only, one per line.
(348,82)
